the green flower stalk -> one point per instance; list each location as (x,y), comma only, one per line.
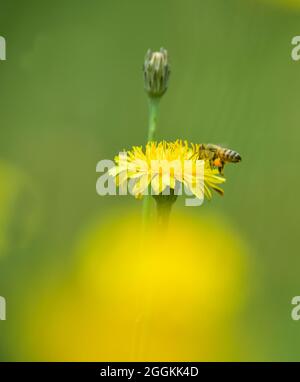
(153,116)
(156,78)
(164,205)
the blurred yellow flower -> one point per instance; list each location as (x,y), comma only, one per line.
(177,299)
(166,165)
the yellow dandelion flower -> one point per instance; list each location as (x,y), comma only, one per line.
(166,166)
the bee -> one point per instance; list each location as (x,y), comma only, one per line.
(217,155)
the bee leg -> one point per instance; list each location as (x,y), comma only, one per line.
(221,169)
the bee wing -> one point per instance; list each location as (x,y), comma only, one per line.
(223,145)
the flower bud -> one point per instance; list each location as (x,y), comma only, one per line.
(156,72)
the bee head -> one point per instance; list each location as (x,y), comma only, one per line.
(237,157)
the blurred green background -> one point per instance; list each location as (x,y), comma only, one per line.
(72,94)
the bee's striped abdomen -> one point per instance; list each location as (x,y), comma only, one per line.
(231,156)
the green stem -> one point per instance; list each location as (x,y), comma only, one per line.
(163,215)
(153,115)
(164,205)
